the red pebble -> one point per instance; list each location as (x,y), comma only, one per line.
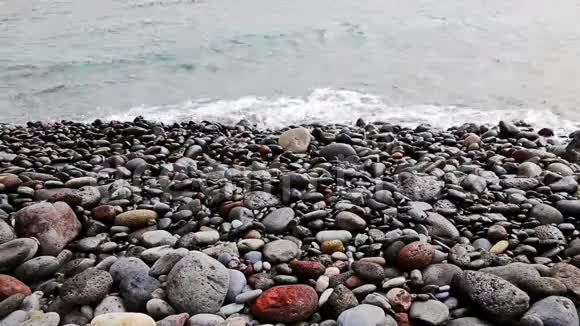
(10,286)
(307,269)
(264,150)
(402,319)
(104,213)
(416,255)
(341,265)
(353,282)
(286,304)
(226,208)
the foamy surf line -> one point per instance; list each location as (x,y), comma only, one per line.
(331,106)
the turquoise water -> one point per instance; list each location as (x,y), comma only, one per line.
(278,62)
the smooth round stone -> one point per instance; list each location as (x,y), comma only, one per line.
(331,246)
(231,309)
(544,287)
(207,237)
(394,282)
(332,271)
(378,300)
(471,139)
(546,214)
(123,319)
(89,244)
(342,235)
(322,283)
(158,238)
(529,169)
(569,207)
(365,314)
(137,218)
(573,248)
(136,289)
(285,279)
(10,304)
(295,140)
(482,243)
(10,181)
(350,222)
(324,297)
(53,224)
(250,244)
(10,286)
(205,320)
(339,256)
(566,184)
(364,289)
(552,310)
(280,251)
(128,268)
(15,318)
(561,169)
(258,266)
(6,232)
(182,215)
(159,309)
(278,220)
(249,296)
(519,274)
(236,285)
(499,247)
(439,226)
(431,312)
(339,151)
(253,256)
(440,274)
(81,182)
(36,269)
(496,233)
(353,282)
(151,255)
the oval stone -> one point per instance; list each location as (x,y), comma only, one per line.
(286,304)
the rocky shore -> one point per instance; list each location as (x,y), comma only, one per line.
(201,224)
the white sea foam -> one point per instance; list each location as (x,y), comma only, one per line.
(326,105)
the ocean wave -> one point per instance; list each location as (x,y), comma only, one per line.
(328,105)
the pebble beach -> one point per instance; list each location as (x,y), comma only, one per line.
(142,223)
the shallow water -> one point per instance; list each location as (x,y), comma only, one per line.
(281,62)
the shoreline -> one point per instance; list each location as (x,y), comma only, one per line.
(192,224)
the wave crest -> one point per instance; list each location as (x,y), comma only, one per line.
(327,105)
